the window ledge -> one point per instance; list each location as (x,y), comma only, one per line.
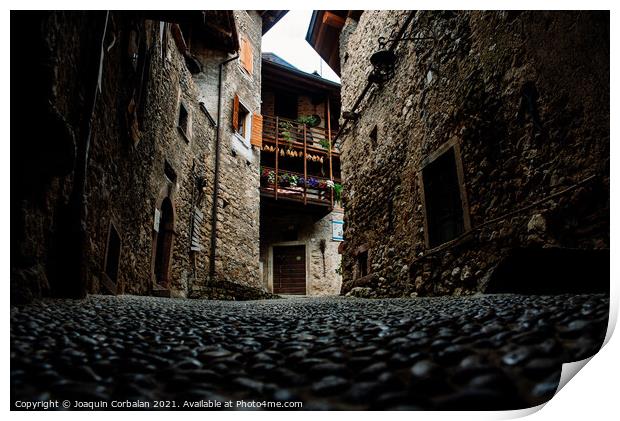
(243,140)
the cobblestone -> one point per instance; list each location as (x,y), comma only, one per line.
(481,352)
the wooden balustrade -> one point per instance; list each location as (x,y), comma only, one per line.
(295,135)
(282,134)
(306,189)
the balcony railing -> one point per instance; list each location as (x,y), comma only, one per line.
(290,139)
(297,135)
(294,186)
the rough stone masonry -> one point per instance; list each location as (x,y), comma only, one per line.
(148,173)
(505,114)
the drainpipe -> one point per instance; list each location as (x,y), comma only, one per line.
(216,178)
(74,267)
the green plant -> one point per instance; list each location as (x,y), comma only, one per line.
(338,270)
(285,131)
(338,191)
(324,143)
(309,120)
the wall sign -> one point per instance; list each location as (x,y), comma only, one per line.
(337,230)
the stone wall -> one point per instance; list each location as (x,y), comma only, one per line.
(322,269)
(127,180)
(238,203)
(43,152)
(136,160)
(524,98)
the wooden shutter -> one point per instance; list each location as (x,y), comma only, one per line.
(195,237)
(235,115)
(257,130)
(245,55)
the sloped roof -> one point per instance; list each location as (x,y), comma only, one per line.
(276,69)
(274,58)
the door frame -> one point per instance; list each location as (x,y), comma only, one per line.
(285,244)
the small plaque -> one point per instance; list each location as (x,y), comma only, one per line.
(156,220)
(337,230)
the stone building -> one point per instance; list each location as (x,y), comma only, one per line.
(139,176)
(473,143)
(300,181)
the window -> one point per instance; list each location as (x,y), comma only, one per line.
(373,137)
(246,56)
(242,117)
(183,123)
(113,254)
(169,172)
(362,264)
(442,194)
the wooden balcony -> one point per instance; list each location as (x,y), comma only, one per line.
(298,162)
(293,134)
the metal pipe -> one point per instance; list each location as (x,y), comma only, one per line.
(216,177)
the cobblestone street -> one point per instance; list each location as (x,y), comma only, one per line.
(483,352)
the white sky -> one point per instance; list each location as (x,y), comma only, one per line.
(287,39)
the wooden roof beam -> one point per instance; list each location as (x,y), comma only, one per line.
(333,20)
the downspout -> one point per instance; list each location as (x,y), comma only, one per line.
(75,266)
(216,177)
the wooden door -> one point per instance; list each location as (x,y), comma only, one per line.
(164,243)
(289,270)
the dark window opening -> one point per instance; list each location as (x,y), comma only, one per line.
(183,123)
(285,105)
(444,209)
(169,172)
(242,117)
(362,264)
(373,137)
(113,254)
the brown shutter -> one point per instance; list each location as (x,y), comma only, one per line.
(257,130)
(235,115)
(245,55)
(249,63)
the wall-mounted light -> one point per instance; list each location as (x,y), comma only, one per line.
(384,61)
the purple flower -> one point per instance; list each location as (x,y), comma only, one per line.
(313,182)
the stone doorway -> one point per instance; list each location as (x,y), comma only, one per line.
(165,237)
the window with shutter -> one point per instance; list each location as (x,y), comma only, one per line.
(246,55)
(257,130)
(235,113)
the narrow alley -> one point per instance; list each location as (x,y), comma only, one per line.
(311,210)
